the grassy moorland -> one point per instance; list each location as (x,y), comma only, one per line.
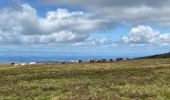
(147,79)
(165,55)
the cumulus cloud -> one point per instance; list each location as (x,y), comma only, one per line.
(107,3)
(94,41)
(123,11)
(146,35)
(22,25)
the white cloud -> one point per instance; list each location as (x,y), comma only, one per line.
(107,3)
(146,35)
(123,11)
(22,25)
(94,41)
(63,36)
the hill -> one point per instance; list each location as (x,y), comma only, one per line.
(165,55)
(140,79)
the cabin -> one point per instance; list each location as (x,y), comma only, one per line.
(91,61)
(127,59)
(12,64)
(24,64)
(80,61)
(99,61)
(72,61)
(119,59)
(104,60)
(32,63)
(111,60)
(63,62)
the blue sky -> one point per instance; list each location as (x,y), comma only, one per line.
(75,27)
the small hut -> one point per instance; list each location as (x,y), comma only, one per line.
(80,61)
(104,60)
(119,59)
(91,61)
(111,60)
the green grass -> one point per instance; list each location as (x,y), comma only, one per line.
(164,55)
(141,79)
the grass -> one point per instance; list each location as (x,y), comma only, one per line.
(141,79)
(164,55)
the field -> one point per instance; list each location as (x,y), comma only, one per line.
(147,79)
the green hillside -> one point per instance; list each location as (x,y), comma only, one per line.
(165,55)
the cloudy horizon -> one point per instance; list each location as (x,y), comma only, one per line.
(98,27)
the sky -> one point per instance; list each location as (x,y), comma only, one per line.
(84,27)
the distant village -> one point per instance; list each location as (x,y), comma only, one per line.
(69,62)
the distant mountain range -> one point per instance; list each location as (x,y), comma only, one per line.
(165,55)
